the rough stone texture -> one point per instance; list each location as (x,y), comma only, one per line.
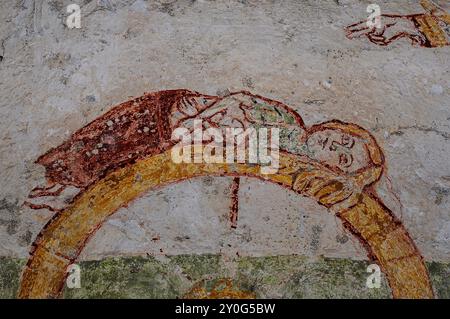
(54,80)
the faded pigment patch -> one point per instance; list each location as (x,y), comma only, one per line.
(263,277)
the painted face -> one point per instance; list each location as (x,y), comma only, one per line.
(337,149)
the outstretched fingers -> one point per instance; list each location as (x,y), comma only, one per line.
(357,29)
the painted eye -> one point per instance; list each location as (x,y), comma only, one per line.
(333,146)
(347,141)
(322,142)
(204,101)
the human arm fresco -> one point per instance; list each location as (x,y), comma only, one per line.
(430,29)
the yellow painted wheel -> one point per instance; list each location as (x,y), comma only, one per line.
(64,237)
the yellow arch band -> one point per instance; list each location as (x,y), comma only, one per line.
(61,241)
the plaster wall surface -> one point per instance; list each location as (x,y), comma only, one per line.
(54,80)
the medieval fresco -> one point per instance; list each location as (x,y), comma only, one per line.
(225,149)
(430,30)
(335,163)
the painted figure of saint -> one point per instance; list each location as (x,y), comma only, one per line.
(143,127)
